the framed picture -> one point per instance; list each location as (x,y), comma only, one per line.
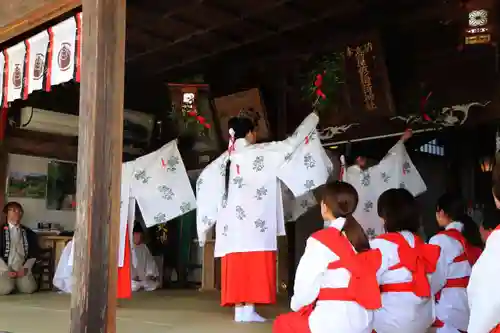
(27,185)
(251,103)
(61,186)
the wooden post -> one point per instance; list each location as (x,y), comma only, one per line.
(93,304)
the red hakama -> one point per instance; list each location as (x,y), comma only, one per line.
(293,322)
(248,277)
(124,288)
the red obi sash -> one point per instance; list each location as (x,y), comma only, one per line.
(419,260)
(363,286)
(470,253)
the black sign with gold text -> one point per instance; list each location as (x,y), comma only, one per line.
(368,86)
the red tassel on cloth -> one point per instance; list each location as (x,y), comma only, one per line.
(3,122)
(124,287)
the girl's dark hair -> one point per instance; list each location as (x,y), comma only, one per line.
(342,199)
(138,228)
(495,177)
(399,210)
(452,205)
(491,218)
(471,231)
(241,127)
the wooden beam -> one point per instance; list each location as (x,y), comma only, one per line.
(93,304)
(36,17)
(256,11)
(331,12)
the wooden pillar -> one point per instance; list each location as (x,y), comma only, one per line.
(93,304)
(4,162)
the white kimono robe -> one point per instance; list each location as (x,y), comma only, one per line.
(143,268)
(312,275)
(401,311)
(453,307)
(296,207)
(395,170)
(63,277)
(483,289)
(252,216)
(160,184)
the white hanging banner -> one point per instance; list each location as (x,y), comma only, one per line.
(61,53)
(2,65)
(36,48)
(15,58)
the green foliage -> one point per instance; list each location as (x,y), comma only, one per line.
(191,121)
(324,82)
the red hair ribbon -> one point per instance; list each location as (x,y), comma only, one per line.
(318,83)
(231,141)
(423,103)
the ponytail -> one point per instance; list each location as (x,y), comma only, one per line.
(471,231)
(239,127)
(341,198)
(226,175)
(355,234)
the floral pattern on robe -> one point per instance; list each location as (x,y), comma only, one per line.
(252,212)
(395,170)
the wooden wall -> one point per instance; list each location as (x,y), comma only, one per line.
(18,17)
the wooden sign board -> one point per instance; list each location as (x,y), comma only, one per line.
(250,101)
(368,86)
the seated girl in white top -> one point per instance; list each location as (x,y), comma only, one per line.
(145,274)
(483,291)
(336,287)
(63,279)
(458,254)
(407,303)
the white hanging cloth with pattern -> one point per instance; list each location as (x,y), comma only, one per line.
(15,57)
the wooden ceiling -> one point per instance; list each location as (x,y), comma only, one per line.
(165,37)
(226,40)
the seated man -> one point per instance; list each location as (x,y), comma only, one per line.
(145,274)
(63,277)
(18,250)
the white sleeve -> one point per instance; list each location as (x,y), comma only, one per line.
(151,267)
(407,174)
(161,185)
(310,272)
(64,270)
(384,247)
(307,167)
(305,128)
(210,190)
(446,255)
(483,291)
